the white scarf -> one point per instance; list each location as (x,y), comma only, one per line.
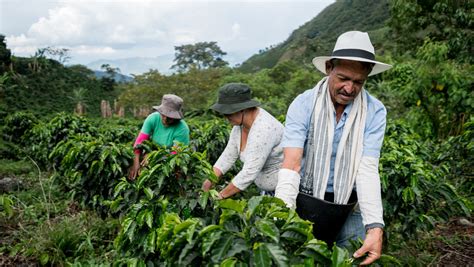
(319,148)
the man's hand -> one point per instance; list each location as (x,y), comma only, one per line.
(206,185)
(372,246)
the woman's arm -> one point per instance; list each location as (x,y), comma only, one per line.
(226,159)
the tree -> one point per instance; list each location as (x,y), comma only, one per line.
(201,55)
(5,55)
(108,81)
(79,96)
(449,21)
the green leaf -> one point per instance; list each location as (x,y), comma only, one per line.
(209,239)
(277,253)
(340,257)
(149,218)
(236,205)
(6,203)
(208,229)
(131,231)
(253,204)
(188,254)
(44,258)
(184,225)
(229,262)
(203,199)
(261,256)
(222,247)
(269,229)
(126,224)
(238,246)
(150,242)
(148,192)
(141,217)
(316,249)
(387,260)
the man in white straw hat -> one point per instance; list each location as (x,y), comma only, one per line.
(164,127)
(332,141)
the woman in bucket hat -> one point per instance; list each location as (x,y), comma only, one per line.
(255,139)
(165,127)
(332,141)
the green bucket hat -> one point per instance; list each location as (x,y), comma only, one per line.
(234,97)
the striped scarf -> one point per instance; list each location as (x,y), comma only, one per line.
(318,149)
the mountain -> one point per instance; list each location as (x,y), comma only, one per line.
(119,78)
(317,36)
(136,65)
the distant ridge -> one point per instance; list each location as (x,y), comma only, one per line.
(136,65)
(119,78)
(317,36)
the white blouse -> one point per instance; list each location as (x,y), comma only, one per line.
(262,156)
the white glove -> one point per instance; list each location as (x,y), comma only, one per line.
(287,188)
(368,191)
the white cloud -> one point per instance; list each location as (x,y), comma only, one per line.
(64,25)
(91,50)
(149,28)
(235,30)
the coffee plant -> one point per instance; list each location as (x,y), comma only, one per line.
(91,168)
(44,137)
(416,193)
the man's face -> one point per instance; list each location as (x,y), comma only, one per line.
(345,80)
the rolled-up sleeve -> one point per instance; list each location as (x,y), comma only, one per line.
(298,120)
(374,129)
(230,153)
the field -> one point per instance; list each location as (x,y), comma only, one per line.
(70,203)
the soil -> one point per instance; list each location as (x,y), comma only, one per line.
(458,249)
(18,261)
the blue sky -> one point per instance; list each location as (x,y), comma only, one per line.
(108,30)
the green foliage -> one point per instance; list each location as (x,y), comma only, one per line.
(209,137)
(201,55)
(10,167)
(170,181)
(262,231)
(6,205)
(440,98)
(91,168)
(449,21)
(457,152)
(416,193)
(76,238)
(17,124)
(44,137)
(44,86)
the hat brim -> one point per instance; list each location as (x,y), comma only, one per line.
(379,67)
(169,113)
(232,108)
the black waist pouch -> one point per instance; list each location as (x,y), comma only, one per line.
(327,216)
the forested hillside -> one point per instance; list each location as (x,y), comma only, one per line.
(44,85)
(317,36)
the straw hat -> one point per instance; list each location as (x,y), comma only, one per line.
(353,45)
